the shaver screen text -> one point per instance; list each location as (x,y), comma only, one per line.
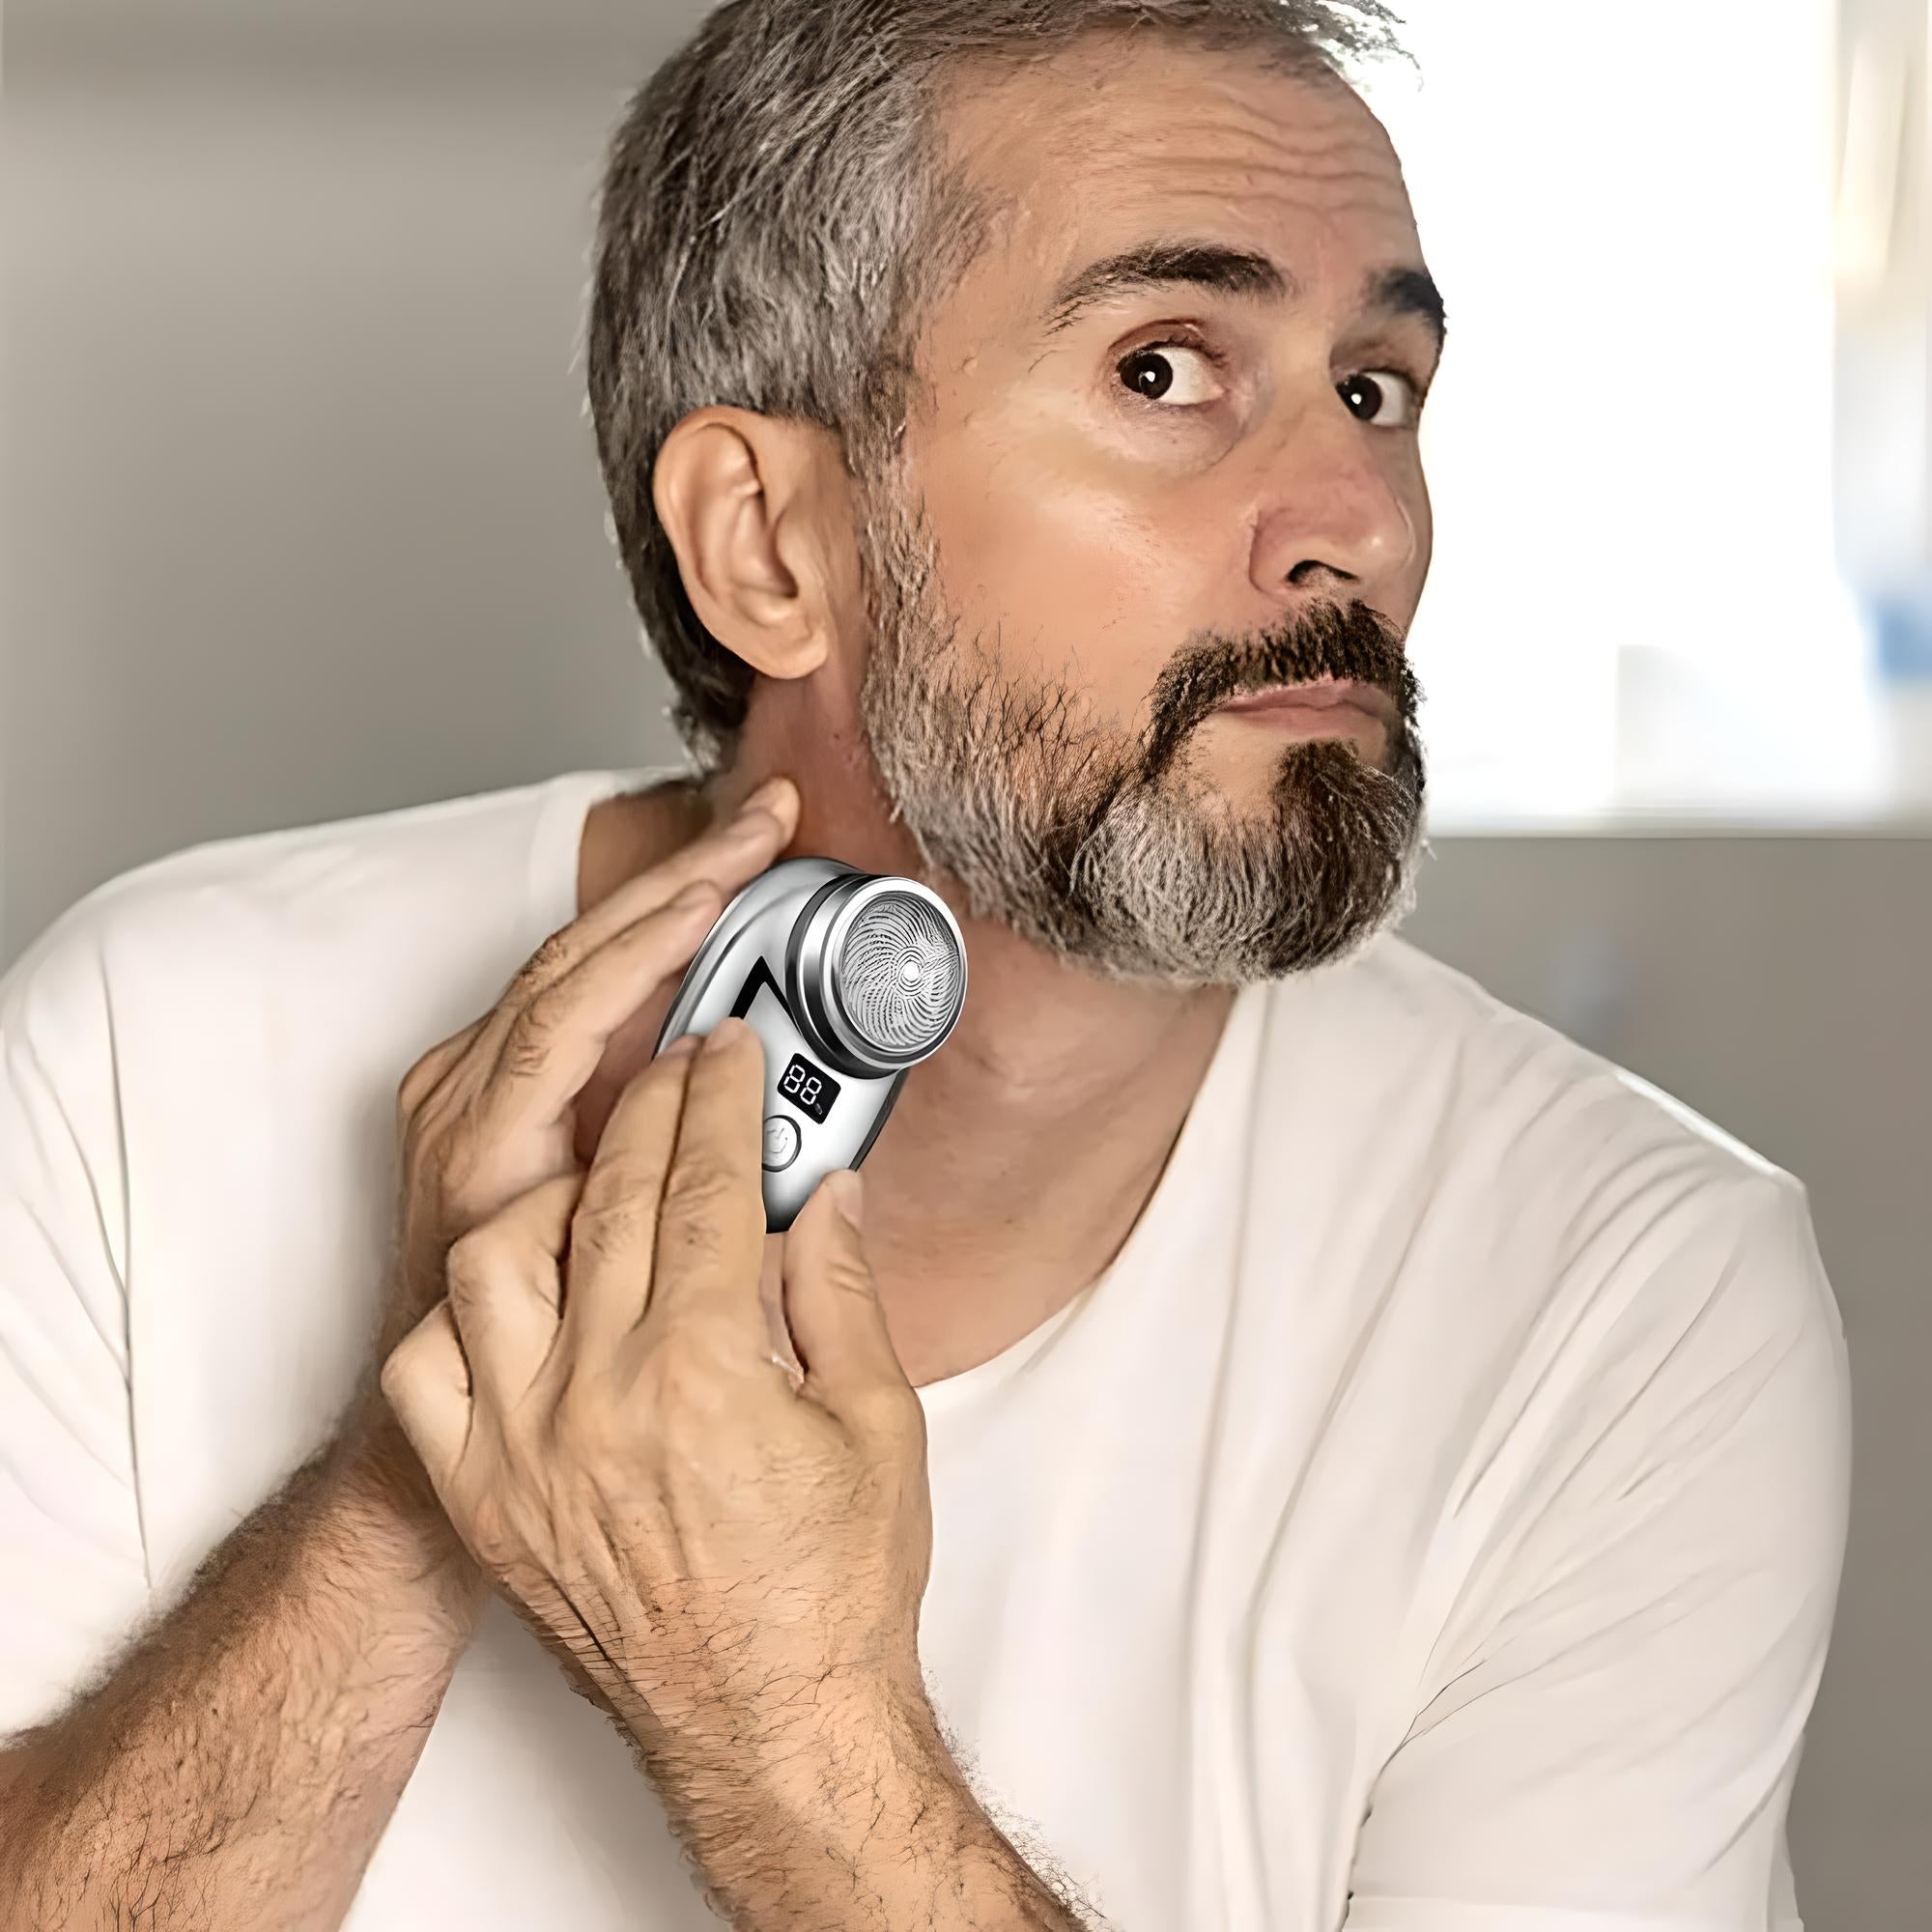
(808,1088)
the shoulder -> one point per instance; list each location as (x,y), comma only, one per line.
(205,938)
(1550,1190)
(286,866)
(1432,1046)
(298,878)
(1600,1297)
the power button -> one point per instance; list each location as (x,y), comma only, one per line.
(780,1141)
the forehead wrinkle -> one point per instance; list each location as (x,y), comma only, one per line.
(1230,214)
(1148,190)
(1277,109)
(1150,170)
(1097,152)
(1209,162)
(1205,197)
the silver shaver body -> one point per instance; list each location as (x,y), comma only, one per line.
(850,978)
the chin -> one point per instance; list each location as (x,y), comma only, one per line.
(1254,774)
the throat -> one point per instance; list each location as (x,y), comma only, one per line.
(634,831)
(987,1214)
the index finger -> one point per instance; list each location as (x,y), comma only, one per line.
(711,1228)
(614,1228)
(586,981)
(714,856)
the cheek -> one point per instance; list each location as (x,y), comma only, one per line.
(1399,599)
(1080,584)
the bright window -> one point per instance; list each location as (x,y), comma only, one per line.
(1635,600)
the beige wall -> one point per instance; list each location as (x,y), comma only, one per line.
(302,521)
(299,516)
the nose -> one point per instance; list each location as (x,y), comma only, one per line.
(1333,520)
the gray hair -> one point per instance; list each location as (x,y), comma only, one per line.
(778,220)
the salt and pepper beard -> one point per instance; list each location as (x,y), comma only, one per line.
(1111,849)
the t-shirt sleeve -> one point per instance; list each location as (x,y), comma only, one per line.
(1610,1724)
(72,1574)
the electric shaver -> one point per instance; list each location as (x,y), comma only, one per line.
(850,978)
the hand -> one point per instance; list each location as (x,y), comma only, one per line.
(490,1112)
(734,1562)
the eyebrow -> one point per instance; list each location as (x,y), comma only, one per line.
(1241,272)
(1409,292)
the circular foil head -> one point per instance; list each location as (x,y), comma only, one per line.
(897,976)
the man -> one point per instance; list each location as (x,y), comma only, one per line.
(1286,1442)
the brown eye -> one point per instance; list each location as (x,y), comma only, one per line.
(1168,372)
(1368,395)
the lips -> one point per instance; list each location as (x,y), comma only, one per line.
(1321,694)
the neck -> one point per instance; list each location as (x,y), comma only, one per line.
(1019,1157)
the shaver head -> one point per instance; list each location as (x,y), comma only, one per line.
(848,978)
(876,973)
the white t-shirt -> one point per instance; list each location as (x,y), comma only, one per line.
(1430,1522)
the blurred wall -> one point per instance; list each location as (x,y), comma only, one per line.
(302,521)
(300,515)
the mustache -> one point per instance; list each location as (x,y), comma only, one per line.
(1338,640)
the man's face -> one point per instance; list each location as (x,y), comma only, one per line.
(1128,507)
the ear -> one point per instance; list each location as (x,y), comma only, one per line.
(748,503)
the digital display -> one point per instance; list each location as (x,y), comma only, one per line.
(807,1088)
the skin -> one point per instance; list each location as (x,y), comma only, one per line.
(1092,535)
(730,1556)
(658,1518)
(237,1763)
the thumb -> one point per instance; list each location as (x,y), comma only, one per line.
(831,1300)
(426,1382)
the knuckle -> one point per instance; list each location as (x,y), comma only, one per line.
(526,1047)
(543,965)
(414,1140)
(399,1365)
(409,1092)
(431,1069)
(703,1193)
(469,1267)
(422,1128)
(547,1014)
(418,1083)
(394,1371)
(608,1225)
(447,1198)
(703,1244)
(621,1181)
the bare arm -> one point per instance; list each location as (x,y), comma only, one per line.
(237,1766)
(732,1551)
(862,1821)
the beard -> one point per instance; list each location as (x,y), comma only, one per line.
(1108,848)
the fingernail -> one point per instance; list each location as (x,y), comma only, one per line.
(685,1043)
(721,1036)
(848,1195)
(767,796)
